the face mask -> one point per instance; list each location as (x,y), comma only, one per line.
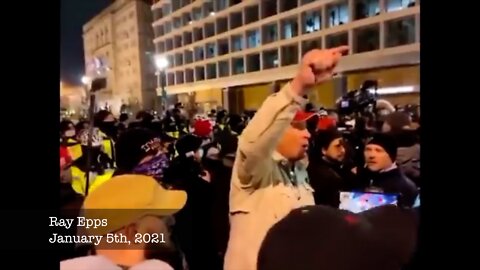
(70,133)
(154,167)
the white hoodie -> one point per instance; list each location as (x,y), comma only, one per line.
(102,263)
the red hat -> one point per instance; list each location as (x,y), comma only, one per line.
(326,123)
(202,128)
(301,116)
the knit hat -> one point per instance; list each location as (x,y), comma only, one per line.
(133,146)
(387,142)
(325,137)
(320,237)
(188,143)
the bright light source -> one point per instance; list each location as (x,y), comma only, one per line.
(161,62)
(190,22)
(86,80)
(212,13)
(394,90)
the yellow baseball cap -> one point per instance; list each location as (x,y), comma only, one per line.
(124,199)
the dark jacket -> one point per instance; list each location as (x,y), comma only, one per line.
(221,173)
(193,223)
(408,154)
(392,181)
(327,180)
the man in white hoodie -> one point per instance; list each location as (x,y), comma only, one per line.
(135,208)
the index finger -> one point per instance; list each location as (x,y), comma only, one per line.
(340,49)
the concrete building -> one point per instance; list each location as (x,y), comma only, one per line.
(228,52)
(121,37)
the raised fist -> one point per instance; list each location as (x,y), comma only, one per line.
(318,65)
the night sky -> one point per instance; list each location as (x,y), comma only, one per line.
(74,14)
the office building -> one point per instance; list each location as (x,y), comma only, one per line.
(228,52)
(120,37)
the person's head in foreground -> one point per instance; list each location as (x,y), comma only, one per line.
(320,237)
(293,145)
(380,152)
(136,208)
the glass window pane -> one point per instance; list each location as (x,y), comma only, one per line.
(211,50)
(400,32)
(312,21)
(238,66)
(289,55)
(199,73)
(211,71)
(309,45)
(270,59)
(253,62)
(253,38)
(270,33)
(394,5)
(223,69)
(338,14)
(289,28)
(237,43)
(336,40)
(367,38)
(366,8)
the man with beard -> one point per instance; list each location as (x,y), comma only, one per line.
(144,213)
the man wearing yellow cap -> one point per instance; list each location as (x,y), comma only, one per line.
(133,210)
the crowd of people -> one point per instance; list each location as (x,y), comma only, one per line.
(245,192)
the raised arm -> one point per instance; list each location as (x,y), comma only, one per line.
(259,139)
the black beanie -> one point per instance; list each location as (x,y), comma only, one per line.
(188,143)
(325,137)
(387,142)
(134,145)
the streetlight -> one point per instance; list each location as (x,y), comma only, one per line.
(161,63)
(86,80)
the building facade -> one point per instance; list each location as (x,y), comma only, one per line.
(73,100)
(228,52)
(121,38)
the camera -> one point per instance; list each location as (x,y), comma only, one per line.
(360,101)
